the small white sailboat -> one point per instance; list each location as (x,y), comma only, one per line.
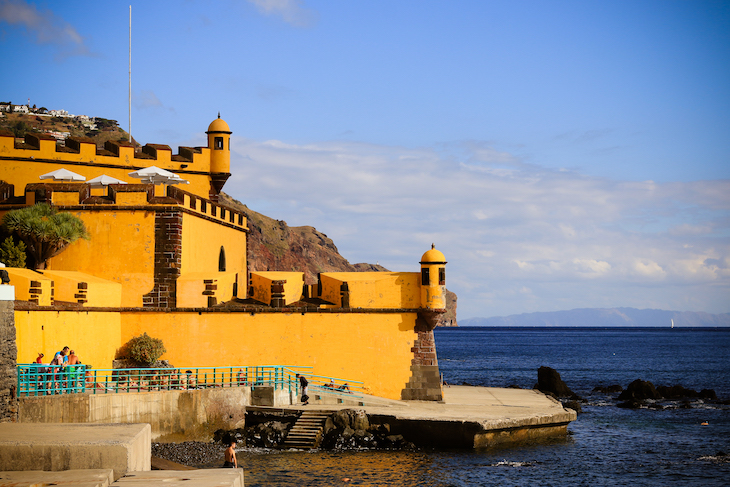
(672,322)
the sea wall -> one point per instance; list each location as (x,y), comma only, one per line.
(191,414)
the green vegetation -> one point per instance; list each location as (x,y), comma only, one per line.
(45,231)
(144,349)
(12,254)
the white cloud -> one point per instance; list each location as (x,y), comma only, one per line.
(45,26)
(574,241)
(291,11)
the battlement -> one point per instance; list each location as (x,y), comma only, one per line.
(80,196)
(78,150)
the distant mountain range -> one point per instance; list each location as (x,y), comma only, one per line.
(604,317)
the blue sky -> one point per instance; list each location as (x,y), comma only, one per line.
(561,154)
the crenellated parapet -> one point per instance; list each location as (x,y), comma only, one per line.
(206,168)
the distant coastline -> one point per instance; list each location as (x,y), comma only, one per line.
(604,317)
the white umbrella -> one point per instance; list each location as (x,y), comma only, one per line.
(63,175)
(104,180)
(156,175)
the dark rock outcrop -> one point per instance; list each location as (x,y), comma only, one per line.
(549,382)
(350,429)
(639,390)
(680,392)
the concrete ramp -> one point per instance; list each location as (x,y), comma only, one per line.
(70,478)
(219,477)
(55,447)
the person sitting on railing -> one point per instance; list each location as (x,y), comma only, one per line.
(39,360)
(330,385)
(56,368)
(344,388)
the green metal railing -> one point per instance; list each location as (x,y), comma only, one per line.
(41,380)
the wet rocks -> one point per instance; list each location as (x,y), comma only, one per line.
(350,429)
(549,382)
(639,390)
(270,434)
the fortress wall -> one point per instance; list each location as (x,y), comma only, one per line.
(203,254)
(130,234)
(94,336)
(375,348)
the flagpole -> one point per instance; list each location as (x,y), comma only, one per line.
(130,73)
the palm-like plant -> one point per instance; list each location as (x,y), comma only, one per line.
(45,231)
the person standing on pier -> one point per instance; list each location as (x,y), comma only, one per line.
(303,382)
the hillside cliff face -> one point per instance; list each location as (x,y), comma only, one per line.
(274,245)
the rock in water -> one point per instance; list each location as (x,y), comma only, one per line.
(549,381)
(639,390)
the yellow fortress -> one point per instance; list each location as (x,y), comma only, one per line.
(173,263)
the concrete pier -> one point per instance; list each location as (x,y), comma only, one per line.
(468,417)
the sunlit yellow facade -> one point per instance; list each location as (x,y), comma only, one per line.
(171,261)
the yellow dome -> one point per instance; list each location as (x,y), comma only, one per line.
(218,125)
(433,256)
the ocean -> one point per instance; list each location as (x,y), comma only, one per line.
(606,445)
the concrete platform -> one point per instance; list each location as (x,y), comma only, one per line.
(56,447)
(219,477)
(71,478)
(469,417)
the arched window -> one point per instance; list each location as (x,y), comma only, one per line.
(222,260)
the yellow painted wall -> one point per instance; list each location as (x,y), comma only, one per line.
(374,289)
(190,288)
(121,249)
(22,170)
(99,292)
(94,336)
(373,348)
(22,279)
(201,244)
(293,287)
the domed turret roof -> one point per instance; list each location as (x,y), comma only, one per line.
(218,125)
(433,256)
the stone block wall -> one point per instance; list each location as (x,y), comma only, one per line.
(8,357)
(425,381)
(168,259)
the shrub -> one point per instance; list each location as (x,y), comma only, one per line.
(12,254)
(145,349)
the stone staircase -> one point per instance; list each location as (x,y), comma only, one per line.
(307,431)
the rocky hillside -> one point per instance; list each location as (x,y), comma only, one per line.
(274,245)
(21,123)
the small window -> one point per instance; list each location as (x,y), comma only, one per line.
(219,143)
(442,276)
(222,260)
(424,277)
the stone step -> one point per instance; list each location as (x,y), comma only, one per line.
(306,432)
